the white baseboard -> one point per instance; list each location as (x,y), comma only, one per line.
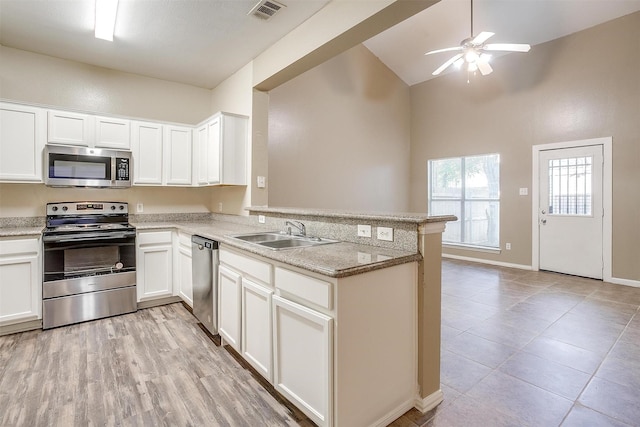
(626,282)
(428,403)
(487,261)
(394,414)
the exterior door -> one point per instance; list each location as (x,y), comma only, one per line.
(570,210)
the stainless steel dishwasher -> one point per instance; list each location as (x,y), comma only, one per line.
(205,281)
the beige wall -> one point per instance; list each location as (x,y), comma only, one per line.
(579,87)
(27,200)
(339,137)
(40,79)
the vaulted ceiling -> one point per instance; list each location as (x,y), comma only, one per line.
(201,43)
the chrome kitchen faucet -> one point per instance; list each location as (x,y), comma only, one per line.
(297,224)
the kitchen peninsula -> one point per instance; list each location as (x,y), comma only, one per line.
(355,324)
(415,243)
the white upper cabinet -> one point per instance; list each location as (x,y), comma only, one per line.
(70,128)
(113,133)
(200,155)
(222,150)
(22,139)
(177,144)
(147,147)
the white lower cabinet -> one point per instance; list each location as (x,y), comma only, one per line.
(154,268)
(344,351)
(20,280)
(230,306)
(256,327)
(184,275)
(302,347)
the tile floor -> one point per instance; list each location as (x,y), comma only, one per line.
(523,348)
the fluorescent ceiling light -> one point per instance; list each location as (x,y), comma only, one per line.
(106,18)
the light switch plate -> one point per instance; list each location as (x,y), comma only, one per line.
(524,191)
(364,230)
(385,233)
(262,182)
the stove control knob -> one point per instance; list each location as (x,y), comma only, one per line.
(64,208)
(55,208)
(121,207)
(113,207)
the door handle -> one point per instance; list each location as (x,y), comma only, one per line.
(543,221)
(543,212)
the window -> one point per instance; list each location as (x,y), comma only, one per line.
(469,188)
(570,186)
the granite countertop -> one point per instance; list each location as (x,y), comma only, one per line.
(20,231)
(413,218)
(334,260)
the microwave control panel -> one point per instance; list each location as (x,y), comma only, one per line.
(122,169)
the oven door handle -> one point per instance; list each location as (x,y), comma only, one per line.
(88,236)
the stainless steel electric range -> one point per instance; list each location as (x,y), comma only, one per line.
(89,262)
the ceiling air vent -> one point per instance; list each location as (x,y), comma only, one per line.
(265,9)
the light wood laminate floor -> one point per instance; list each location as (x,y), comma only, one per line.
(155,367)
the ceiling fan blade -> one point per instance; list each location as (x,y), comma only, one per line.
(448,49)
(482,37)
(484,68)
(508,47)
(447,64)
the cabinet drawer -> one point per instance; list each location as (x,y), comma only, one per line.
(308,288)
(19,247)
(154,238)
(251,266)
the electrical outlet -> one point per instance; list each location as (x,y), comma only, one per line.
(364,230)
(524,191)
(262,182)
(507,246)
(261,219)
(139,208)
(220,207)
(385,233)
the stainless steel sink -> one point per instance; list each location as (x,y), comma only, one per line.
(276,241)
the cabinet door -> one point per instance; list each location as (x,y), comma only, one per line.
(22,138)
(185,274)
(234,150)
(256,327)
(213,151)
(200,162)
(302,358)
(113,133)
(154,265)
(20,281)
(147,148)
(229,287)
(178,155)
(70,128)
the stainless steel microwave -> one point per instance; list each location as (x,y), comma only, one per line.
(67,166)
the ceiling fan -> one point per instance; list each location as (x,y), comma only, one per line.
(473,51)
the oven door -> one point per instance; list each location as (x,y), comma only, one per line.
(82,262)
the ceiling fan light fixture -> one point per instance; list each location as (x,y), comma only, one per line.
(474,51)
(106,12)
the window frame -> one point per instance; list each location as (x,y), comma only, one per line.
(462,200)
